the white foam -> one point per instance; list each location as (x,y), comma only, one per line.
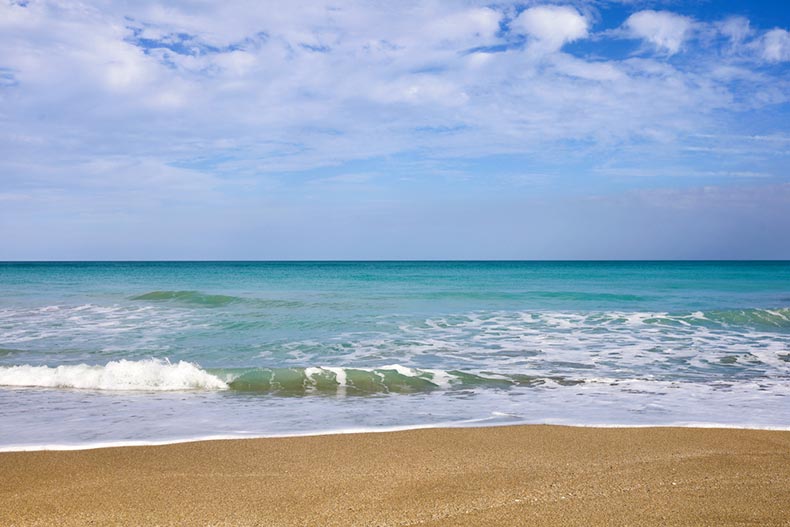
(340,378)
(403,370)
(311,372)
(441,378)
(340,374)
(121,375)
(310,381)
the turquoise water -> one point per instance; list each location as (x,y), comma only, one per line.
(117,352)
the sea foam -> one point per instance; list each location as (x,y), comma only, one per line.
(121,375)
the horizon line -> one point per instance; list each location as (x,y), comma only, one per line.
(411,260)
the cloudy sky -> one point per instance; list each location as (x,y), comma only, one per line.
(589,129)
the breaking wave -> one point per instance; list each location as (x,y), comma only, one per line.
(161,375)
(362,381)
(121,375)
(156,375)
(779,317)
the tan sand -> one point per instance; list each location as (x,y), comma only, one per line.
(519,475)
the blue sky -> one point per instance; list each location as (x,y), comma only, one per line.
(400,130)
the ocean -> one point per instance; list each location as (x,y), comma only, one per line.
(101,353)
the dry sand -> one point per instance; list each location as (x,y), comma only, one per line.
(519,475)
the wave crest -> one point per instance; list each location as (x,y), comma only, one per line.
(161,375)
(121,375)
(188,297)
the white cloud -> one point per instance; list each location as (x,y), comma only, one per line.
(241,91)
(551,26)
(667,31)
(776,45)
(419,89)
(736,28)
(481,23)
(594,71)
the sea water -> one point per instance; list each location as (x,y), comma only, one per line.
(142,352)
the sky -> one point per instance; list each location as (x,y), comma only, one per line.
(588,129)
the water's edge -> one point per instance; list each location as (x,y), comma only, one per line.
(355,431)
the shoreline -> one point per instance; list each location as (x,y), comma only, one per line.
(54,447)
(493,475)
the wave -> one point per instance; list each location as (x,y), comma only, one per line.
(157,375)
(188,297)
(121,375)
(198,298)
(753,318)
(779,317)
(162,375)
(364,381)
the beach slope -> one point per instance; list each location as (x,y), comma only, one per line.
(515,475)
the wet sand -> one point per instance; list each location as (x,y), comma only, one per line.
(518,475)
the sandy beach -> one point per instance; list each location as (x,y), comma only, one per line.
(516,475)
